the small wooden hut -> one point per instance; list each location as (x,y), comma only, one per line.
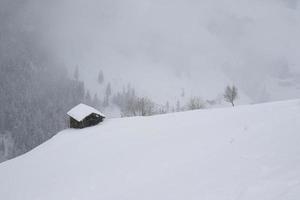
(82,116)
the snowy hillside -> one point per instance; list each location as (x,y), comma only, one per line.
(242,153)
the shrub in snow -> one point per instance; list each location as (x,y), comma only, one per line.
(195,103)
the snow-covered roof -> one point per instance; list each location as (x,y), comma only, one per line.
(81,111)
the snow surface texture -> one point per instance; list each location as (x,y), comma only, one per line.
(242,153)
(81,111)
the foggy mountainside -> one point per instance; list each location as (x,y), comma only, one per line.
(35,90)
(133,57)
(170,45)
(149,99)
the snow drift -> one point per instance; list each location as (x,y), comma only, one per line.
(246,152)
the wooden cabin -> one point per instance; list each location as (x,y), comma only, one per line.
(82,116)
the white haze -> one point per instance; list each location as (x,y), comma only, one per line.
(162,46)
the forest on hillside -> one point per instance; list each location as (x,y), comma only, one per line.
(36,92)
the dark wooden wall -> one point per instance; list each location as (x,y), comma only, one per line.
(91,120)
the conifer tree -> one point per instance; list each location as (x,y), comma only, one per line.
(76,74)
(100,77)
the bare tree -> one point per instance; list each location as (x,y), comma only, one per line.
(138,106)
(195,103)
(231,94)
(145,106)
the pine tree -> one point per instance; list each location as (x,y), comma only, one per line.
(96,101)
(100,77)
(108,90)
(107,95)
(167,106)
(182,93)
(88,98)
(76,74)
(178,107)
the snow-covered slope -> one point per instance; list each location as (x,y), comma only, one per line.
(242,153)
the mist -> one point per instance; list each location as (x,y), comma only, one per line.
(68,67)
(163,46)
(168,45)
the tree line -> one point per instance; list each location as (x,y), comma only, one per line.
(132,104)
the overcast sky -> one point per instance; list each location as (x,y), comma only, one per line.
(161,46)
